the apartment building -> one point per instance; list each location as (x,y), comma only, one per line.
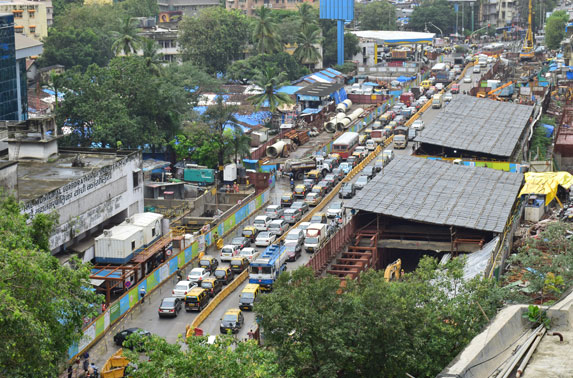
(248,7)
(31,18)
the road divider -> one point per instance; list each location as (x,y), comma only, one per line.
(190,329)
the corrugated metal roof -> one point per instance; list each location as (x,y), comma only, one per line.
(478,125)
(441,193)
(320,89)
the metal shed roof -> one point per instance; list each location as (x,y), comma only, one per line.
(320,89)
(478,125)
(441,193)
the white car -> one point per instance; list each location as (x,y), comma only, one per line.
(196,275)
(265,238)
(489,59)
(278,227)
(467,79)
(387,156)
(249,253)
(418,124)
(261,222)
(335,209)
(182,288)
(476,69)
(439,86)
(448,97)
(229,251)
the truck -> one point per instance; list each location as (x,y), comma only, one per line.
(437,101)
(399,54)
(198,174)
(314,237)
(298,167)
(443,77)
(401,137)
(265,270)
(378,136)
(407,98)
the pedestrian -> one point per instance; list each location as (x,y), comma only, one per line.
(179,275)
(251,334)
(70,371)
(142,293)
(86,365)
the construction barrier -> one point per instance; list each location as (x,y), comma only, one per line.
(215,302)
(115,366)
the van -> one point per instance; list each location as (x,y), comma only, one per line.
(278,227)
(261,222)
(249,296)
(370,145)
(196,299)
(437,101)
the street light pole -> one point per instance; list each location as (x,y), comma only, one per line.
(441,33)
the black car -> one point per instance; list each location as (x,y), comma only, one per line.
(120,337)
(333,179)
(369,171)
(241,242)
(170,307)
(347,191)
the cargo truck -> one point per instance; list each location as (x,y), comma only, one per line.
(314,237)
(298,167)
(265,270)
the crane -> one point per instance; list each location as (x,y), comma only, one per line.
(527,52)
(493,91)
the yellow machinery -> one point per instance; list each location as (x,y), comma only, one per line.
(527,52)
(491,94)
(394,271)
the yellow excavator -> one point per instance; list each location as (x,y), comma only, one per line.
(527,52)
(394,271)
(492,94)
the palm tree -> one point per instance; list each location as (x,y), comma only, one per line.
(126,38)
(265,33)
(217,117)
(306,16)
(151,56)
(240,142)
(306,51)
(269,81)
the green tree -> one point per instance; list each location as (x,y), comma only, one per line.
(239,143)
(377,15)
(42,303)
(151,56)
(555,29)
(139,8)
(438,12)
(265,35)
(329,44)
(217,117)
(269,80)
(196,145)
(224,358)
(245,70)
(308,16)
(214,39)
(60,6)
(127,41)
(306,51)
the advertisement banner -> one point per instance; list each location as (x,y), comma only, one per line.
(201,243)
(133,297)
(99,326)
(114,310)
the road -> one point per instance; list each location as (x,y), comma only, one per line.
(145,316)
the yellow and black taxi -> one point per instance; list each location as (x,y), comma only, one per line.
(287,199)
(319,189)
(250,232)
(314,175)
(212,285)
(238,264)
(196,299)
(300,191)
(232,321)
(209,263)
(224,274)
(249,296)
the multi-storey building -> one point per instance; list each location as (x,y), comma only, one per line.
(248,7)
(30,17)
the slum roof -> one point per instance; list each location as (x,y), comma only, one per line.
(478,125)
(320,89)
(437,192)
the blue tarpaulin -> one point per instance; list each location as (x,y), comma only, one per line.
(548,129)
(369,83)
(310,111)
(569,75)
(403,79)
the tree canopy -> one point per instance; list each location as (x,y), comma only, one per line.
(214,39)
(377,15)
(438,12)
(246,70)
(555,29)
(329,48)
(413,326)
(42,303)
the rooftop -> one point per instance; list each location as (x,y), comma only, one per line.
(320,89)
(395,36)
(437,192)
(38,178)
(478,125)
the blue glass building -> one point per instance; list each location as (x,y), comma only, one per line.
(13,88)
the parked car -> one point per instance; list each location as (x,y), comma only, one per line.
(264,239)
(238,264)
(170,307)
(232,321)
(209,263)
(292,216)
(361,182)
(274,212)
(121,336)
(336,208)
(301,206)
(224,274)
(229,251)
(196,275)
(278,227)
(241,242)
(182,288)
(347,191)
(249,253)
(212,285)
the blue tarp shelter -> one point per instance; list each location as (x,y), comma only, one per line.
(548,129)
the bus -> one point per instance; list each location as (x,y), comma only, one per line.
(345,144)
(493,49)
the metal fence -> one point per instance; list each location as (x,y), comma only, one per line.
(326,254)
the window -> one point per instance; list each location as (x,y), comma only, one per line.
(132,245)
(136,178)
(32,28)
(18,29)
(31,13)
(153,231)
(17,13)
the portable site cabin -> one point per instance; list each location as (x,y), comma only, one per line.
(150,223)
(119,244)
